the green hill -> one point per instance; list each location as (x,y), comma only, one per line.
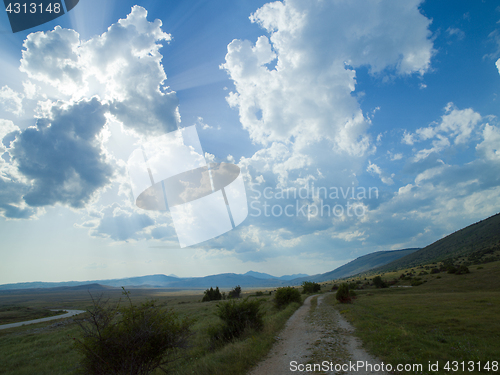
(475,240)
(358,265)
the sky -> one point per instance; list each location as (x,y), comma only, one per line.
(358,126)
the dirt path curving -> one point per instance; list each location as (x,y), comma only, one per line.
(68,314)
(316,334)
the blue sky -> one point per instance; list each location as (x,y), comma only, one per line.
(383,113)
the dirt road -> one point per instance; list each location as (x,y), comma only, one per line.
(68,314)
(316,334)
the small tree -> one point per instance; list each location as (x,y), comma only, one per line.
(235,292)
(286,295)
(343,294)
(132,340)
(310,287)
(212,295)
(237,316)
(379,283)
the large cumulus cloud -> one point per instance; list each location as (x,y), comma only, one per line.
(62,156)
(296,85)
(122,66)
(78,88)
(295,91)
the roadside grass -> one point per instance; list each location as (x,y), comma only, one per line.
(38,349)
(239,356)
(47,348)
(450,318)
(14,314)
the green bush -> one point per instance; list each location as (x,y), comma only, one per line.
(235,292)
(212,295)
(352,286)
(136,339)
(286,295)
(310,287)
(462,269)
(434,270)
(416,281)
(451,269)
(236,316)
(379,283)
(343,294)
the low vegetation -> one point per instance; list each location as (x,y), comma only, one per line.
(48,348)
(309,287)
(343,295)
(14,314)
(212,295)
(286,295)
(131,339)
(429,314)
(236,317)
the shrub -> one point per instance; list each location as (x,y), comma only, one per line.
(434,270)
(237,316)
(462,270)
(286,295)
(379,283)
(451,269)
(259,293)
(343,295)
(352,286)
(212,295)
(310,287)
(334,287)
(416,282)
(136,339)
(235,292)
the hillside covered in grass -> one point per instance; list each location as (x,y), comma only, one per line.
(476,240)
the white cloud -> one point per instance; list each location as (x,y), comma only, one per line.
(122,224)
(374,169)
(316,45)
(53,58)
(122,66)
(489,148)
(11,101)
(498,65)
(62,159)
(394,157)
(455,31)
(456,124)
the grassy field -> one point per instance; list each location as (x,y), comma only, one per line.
(47,348)
(447,318)
(14,314)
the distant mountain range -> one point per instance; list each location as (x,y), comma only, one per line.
(481,236)
(224,280)
(265,276)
